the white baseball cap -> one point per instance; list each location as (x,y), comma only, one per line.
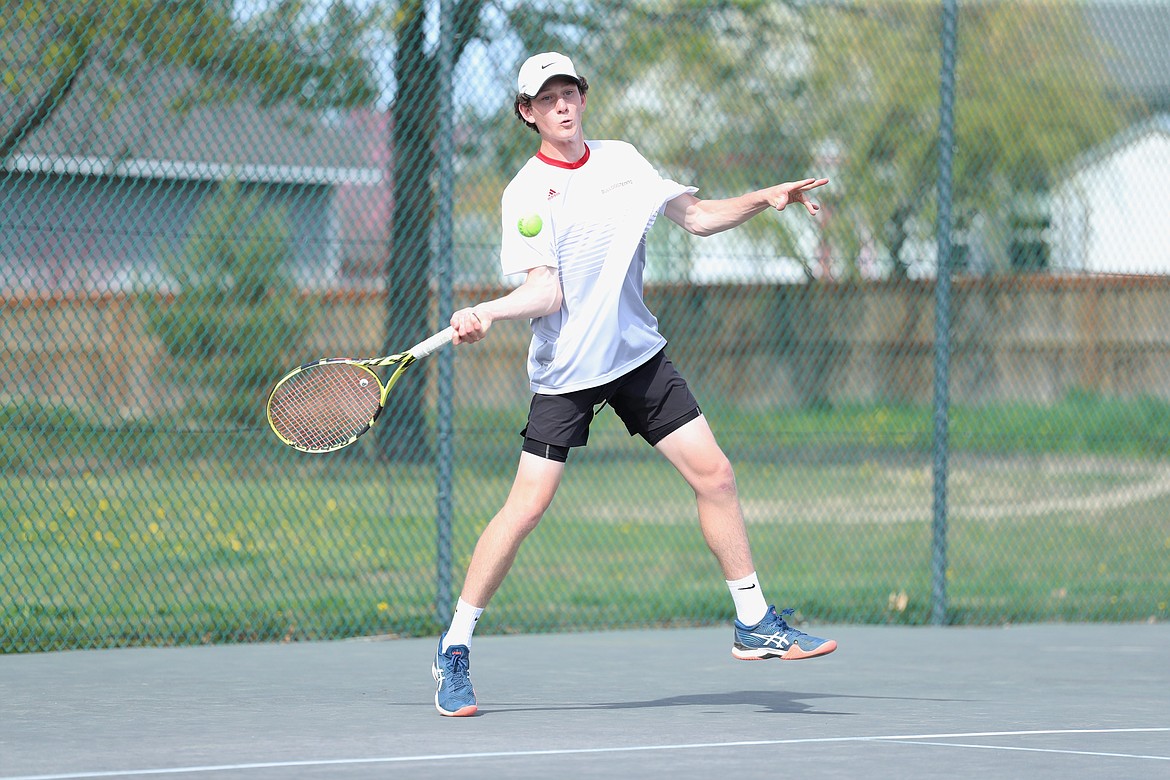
(539,68)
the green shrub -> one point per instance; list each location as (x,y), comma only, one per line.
(233,312)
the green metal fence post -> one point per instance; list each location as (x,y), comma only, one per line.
(942,316)
(444,411)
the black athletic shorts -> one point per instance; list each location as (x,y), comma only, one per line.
(653,401)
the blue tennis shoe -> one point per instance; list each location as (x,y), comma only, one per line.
(454,696)
(772,637)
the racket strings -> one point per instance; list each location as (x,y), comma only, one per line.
(325,406)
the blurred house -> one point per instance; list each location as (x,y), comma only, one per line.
(119,170)
(1108,215)
(364,210)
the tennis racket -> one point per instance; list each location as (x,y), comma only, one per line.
(327,405)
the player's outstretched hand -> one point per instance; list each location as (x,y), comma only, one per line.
(795,192)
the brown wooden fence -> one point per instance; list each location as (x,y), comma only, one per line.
(1023,338)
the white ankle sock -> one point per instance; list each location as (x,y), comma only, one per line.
(462,625)
(750,605)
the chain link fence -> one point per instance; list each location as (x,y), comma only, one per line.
(197,195)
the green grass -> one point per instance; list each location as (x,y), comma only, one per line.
(138,536)
(1081,423)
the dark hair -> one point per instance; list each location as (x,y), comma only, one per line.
(525,100)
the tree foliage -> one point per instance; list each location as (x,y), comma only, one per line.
(715,95)
(1031,95)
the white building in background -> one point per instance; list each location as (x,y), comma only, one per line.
(1112,215)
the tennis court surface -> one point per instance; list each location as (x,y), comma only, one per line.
(1036,701)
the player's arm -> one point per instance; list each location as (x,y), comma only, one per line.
(707,217)
(538,295)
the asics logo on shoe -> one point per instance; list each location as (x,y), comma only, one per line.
(781,641)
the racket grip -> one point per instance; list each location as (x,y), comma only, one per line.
(440,339)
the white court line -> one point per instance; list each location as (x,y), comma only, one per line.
(903,738)
(1029,750)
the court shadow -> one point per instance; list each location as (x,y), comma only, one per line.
(776,702)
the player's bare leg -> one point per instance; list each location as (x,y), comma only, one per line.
(692,450)
(536,482)
(532,492)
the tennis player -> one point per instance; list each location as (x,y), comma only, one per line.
(574,223)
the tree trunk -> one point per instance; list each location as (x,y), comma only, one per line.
(409,265)
(402,431)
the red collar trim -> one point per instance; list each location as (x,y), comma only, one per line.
(571,166)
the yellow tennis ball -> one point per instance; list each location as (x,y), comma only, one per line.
(530,225)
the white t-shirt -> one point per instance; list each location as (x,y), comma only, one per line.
(588,220)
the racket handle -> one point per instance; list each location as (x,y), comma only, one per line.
(440,339)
